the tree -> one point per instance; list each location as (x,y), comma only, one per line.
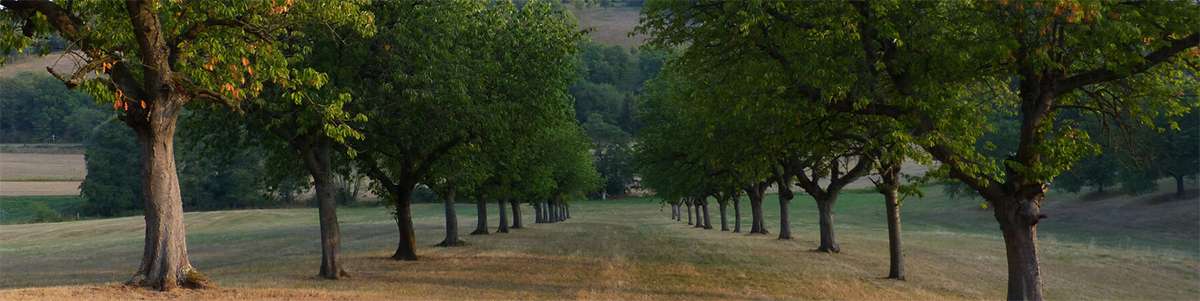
(427,95)
(896,63)
(174,53)
(104,191)
(309,124)
(1171,151)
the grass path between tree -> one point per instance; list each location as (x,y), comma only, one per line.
(617,250)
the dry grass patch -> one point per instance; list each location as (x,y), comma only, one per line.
(623,250)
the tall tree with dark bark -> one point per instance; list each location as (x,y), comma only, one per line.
(149,60)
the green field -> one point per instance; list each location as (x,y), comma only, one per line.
(625,249)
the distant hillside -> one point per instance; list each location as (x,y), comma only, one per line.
(610,25)
(37,64)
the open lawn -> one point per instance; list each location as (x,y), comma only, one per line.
(626,249)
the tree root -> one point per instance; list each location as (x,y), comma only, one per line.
(191,279)
(194,279)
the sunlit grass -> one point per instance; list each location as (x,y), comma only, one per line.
(624,249)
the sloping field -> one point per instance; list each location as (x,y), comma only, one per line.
(616,250)
(26,174)
(32,63)
(611,25)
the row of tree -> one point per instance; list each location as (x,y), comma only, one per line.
(462,97)
(814,95)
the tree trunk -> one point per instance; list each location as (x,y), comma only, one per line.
(481,227)
(316,160)
(785,224)
(737,214)
(451,221)
(1018,223)
(689,210)
(785,198)
(407,248)
(567,210)
(707,223)
(165,264)
(757,226)
(1180,190)
(552,212)
(516,217)
(825,210)
(537,212)
(699,214)
(503,217)
(721,207)
(889,187)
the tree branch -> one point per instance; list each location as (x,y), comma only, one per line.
(1102,74)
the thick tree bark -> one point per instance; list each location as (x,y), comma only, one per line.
(689,211)
(481,227)
(516,211)
(165,264)
(407,248)
(552,212)
(699,214)
(825,211)
(503,217)
(316,159)
(707,223)
(721,207)
(451,239)
(737,214)
(1018,223)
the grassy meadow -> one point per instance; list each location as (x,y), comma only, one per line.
(624,249)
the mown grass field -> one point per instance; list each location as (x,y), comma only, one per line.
(625,250)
